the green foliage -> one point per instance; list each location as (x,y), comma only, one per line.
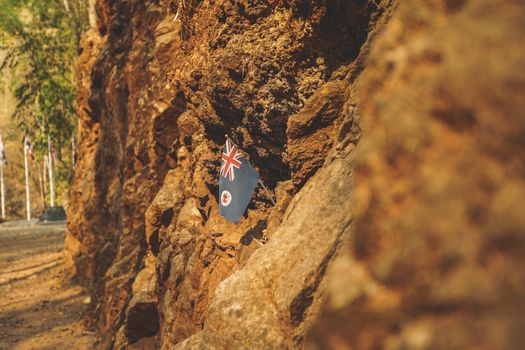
(41,42)
(38,46)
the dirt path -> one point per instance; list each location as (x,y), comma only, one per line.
(39,308)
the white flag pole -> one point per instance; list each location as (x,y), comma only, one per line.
(50,159)
(44,177)
(267,192)
(28,200)
(2,187)
(73,155)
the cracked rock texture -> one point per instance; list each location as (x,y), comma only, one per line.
(436,255)
(160,84)
(407,234)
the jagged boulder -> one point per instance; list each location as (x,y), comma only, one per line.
(435,258)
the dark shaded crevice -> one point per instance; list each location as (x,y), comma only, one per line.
(341,33)
(142,322)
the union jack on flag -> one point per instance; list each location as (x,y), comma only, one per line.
(230,160)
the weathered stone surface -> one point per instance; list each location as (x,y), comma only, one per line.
(142,320)
(438,230)
(264,306)
(436,255)
(84,194)
(311,131)
(160,84)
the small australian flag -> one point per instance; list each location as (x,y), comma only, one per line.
(236,182)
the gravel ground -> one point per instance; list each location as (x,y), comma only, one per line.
(39,307)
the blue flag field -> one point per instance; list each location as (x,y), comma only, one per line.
(237,181)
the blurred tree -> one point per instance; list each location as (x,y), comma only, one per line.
(40,40)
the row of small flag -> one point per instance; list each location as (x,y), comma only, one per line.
(28,151)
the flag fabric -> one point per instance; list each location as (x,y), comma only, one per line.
(237,180)
(29,151)
(2,151)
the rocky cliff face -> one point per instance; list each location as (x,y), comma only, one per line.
(162,82)
(438,241)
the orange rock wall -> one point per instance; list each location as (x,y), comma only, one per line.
(437,248)
(160,84)
(389,134)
